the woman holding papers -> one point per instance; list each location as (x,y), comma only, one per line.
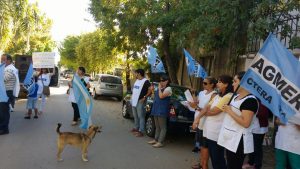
(236,132)
(214,118)
(209,85)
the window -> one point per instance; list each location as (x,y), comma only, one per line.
(109,79)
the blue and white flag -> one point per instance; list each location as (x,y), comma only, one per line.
(274,77)
(83,100)
(3,95)
(194,68)
(154,60)
(29,80)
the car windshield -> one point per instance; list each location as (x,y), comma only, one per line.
(178,93)
(110,79)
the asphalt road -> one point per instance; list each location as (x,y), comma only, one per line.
(31,144)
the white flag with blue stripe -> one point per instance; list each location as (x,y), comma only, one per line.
(29,80)
(274,77)
(154,60)
(83,100)
(194,68)
(3,95)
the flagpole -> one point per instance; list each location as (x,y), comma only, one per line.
(191,81)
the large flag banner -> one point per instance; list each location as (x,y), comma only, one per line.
(194,68)
(154,60)
(29,80)
(83,100)
(274,77)
(3,96)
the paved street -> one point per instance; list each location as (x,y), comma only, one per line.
(32,143)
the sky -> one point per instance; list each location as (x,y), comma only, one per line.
(70,17)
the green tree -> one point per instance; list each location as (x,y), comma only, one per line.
(67,52)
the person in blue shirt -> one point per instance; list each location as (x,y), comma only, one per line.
(32,102)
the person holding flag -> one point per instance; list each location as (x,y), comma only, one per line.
(4,106)
(80,98)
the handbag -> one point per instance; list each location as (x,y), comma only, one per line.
(46,89)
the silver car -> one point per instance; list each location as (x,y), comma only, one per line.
(107,85)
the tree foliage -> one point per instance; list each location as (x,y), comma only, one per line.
(24,29)
(207,24)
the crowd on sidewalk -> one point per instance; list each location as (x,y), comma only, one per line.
(230,123)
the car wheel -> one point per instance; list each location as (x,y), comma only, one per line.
(150,126)
(95,96)
(125,112)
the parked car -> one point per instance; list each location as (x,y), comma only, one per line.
(179,115)
(107,85)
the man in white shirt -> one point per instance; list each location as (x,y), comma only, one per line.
(141,90)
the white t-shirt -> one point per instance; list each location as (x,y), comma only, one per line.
(288,138)
(46,81)
(71,94)
(168,90)
(203,99)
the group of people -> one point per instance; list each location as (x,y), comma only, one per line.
(12,87)
(142,88)
(233,125)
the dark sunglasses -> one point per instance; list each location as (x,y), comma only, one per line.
(205,83)
(162,80)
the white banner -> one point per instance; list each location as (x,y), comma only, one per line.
(43,59)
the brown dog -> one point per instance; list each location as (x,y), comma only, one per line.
(82,140)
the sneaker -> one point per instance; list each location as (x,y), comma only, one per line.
(139,134)
(152,142)
(134,130)
(157,145)
(195,150)
(74,123)
(247,166)
(3,132)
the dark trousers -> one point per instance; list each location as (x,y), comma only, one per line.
(4,116)
(236,160)
(76,112)
(216,153)
(256,157)
(11,97)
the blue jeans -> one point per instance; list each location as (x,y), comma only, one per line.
(139,114)
(4,116)
(216,153)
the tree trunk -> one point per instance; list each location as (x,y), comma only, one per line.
(127,74)
(170,64)
(166,49)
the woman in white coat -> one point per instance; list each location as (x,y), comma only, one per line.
(236,132)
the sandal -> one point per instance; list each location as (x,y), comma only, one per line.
(35,117)
(27,117)
(197,166)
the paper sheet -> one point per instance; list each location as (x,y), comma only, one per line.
(188,96)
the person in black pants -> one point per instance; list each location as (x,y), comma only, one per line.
(4,117)
(85,81)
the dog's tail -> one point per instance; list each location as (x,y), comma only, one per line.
(57,128)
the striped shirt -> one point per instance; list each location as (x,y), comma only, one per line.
(9,79)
